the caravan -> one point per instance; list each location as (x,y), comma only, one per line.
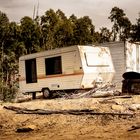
(74,67)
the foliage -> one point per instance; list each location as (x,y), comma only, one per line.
(8,59)
(49,22)
(122,24)
(135,34)
(8,93)
(84,31)
(30,34)
(104,35)
(4,22)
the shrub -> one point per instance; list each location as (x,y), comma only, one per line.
(7,93)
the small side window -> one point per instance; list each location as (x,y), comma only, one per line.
(53,65)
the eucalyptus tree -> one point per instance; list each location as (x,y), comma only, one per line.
(12,40)
(49,22)
(121,24)
(84,31)
(125,27)
(61,16)
(73,22)
(4,23)
(63,31)
(73,19)
(135,31)
(104,35)
(30,34)
(10,61)
(9,65)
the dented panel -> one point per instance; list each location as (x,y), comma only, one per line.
(98,66)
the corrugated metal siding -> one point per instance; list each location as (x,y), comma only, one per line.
(117,50)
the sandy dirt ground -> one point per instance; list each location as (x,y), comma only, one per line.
(72,127)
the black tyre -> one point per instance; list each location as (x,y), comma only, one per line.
(46,93)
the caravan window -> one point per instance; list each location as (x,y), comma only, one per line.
(53,65)
(31,72)
(94,60)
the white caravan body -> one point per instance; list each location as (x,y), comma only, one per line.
(74,67)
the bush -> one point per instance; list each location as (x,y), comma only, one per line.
(7,93)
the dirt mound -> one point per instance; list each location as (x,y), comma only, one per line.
(72,127)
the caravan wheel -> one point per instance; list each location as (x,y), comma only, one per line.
(46,93)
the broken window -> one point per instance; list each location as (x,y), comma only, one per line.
(53,65)
(31,72)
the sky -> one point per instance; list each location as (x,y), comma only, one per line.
(97,10)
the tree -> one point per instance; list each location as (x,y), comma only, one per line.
(73,22)
(4,23)
(56,29)
(122,24)
(30,34)
(59,31)
(105,35)
(84,31)
(135,31)
(49,22)
(61,16)
(73,19)
(125,27)
(12,39)
(8,59)
(63,34)
(63,31)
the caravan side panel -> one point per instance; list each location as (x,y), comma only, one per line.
(24,85)
(71,75)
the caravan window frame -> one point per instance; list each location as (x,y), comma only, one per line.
(53,65)
(97,63)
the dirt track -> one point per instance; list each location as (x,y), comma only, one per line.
(71,127)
